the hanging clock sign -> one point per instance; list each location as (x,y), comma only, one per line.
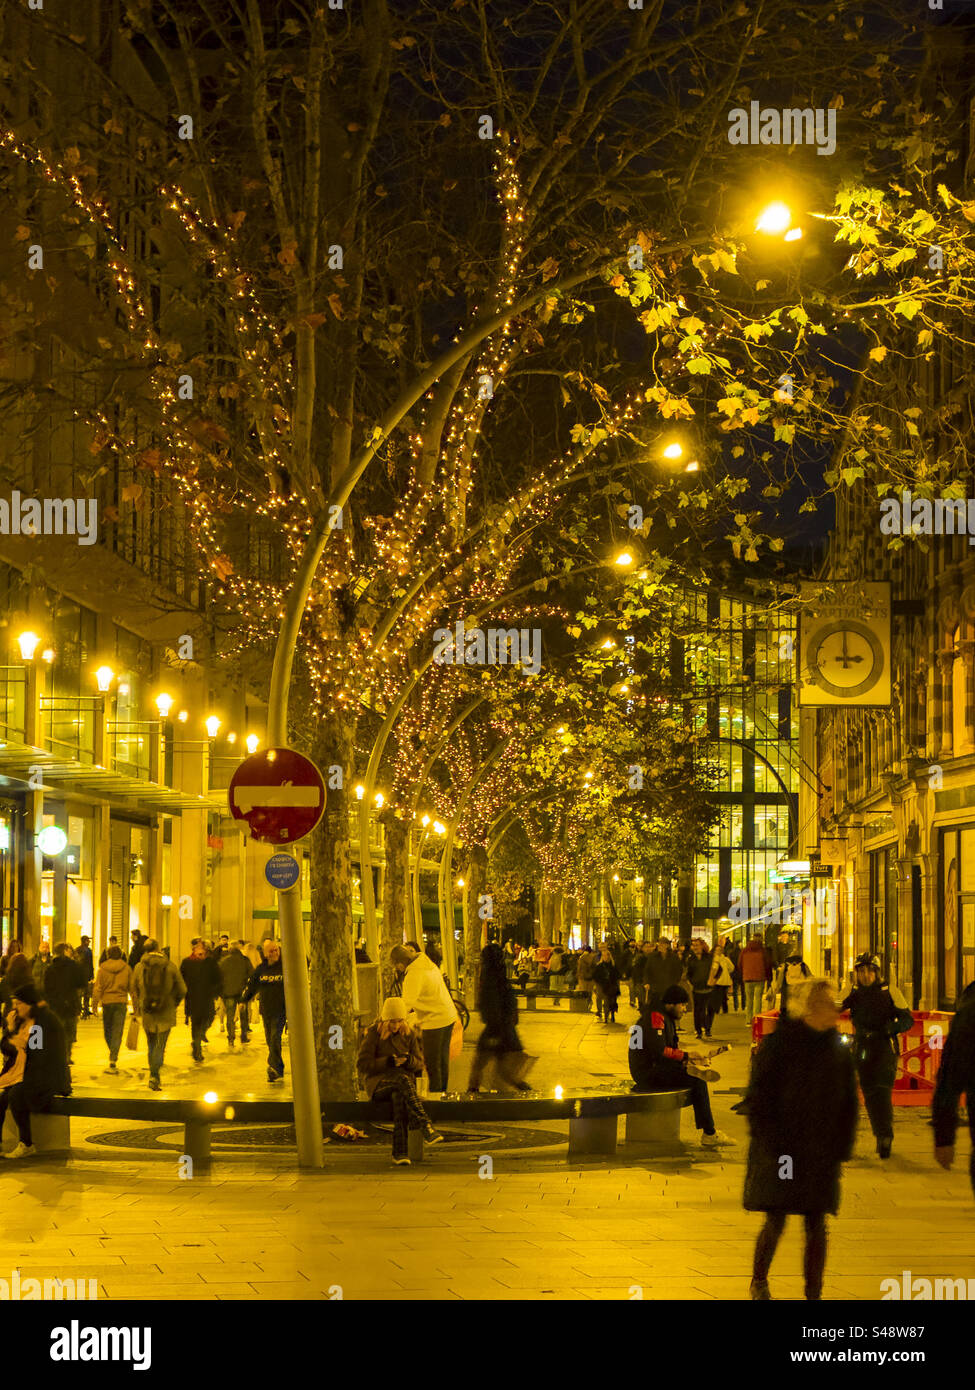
(844,644)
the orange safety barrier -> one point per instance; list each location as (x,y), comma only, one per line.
(920,1055)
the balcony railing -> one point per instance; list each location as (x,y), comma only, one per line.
(68,726)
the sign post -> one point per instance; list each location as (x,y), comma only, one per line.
(281,796)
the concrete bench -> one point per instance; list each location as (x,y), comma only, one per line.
(579,1000)
(651,1117)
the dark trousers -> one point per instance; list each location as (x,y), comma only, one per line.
(230,1010)
(876,1066)
(436,1054)
(814,1254)
(200,1019)
(670,1075)
(507,1052)
(113,1026)
(717,1004)
(86,1000)
(737,991)
(14,1097)
(157,1051)
(273,1029)
(702,999)
(408,1112)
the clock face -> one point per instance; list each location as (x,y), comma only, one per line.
(845,659)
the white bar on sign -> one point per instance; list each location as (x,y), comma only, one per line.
(248,798)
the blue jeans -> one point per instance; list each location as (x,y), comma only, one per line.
(754,993)
(157,1051)
(670,1075)
(273,1028)
(113,1026)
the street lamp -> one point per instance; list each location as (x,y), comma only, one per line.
(104,676)
(48,655)
(213,726)
(28,642)
(379,799)
(673,450)
(360,792)
(774,219)
(623,559)
(164,704)
(439,829)
(251,743)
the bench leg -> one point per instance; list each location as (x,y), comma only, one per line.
(415,1145)
(653,1127)
(531,1003)
(593,1136)
(578,1006)
(196,1144)
(49,1133)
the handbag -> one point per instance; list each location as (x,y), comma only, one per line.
(132,1033)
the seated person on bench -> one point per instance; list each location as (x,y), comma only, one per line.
(35,1066)
(658,1064)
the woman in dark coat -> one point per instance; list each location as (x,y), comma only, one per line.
(606,978)
(802,1112)
(498,1008)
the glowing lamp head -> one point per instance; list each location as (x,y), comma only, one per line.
(624,559)
(28,642)
(424,820)
(210,1097)
(48,655)
(231,738)
(439,829)
(164,704)
(183,715)
(774,219)
(104,676)
(559,1093)
(251,742)
(794,234)
(213,726)
(360,792)
(693,467)
(673,451)
(379,799)
(52,840)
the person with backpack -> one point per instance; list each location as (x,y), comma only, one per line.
(112,985)
(157,988)
(201,975)
(879,1013)
(235,971)
(267,980)
(790,973)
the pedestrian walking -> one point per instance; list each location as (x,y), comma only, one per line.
(755,967)
(956,1077)
(157,988)
(64,983)
(732,950)
(585,966)
(662,969)
(112,986)
(85,959)
(235,971)
(802,1114)
(499,1042)
(267,982)
(879,1014)
(390,1059)
(719,982)
(201,975)
(140,944)
(606,981)
(790,973)
(18,973)
(697,969)
(425,993)
(658,1064)
(45,1071)
(39,964)
(112,941)
(14,948)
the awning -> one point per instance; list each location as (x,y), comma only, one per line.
(18,760)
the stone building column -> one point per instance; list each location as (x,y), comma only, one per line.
(966,654)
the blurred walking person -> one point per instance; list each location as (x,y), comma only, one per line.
(499,1041)
(802,1114)
(64,983)
(112,985)
(606,979)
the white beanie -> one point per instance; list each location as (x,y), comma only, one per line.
(394,1010)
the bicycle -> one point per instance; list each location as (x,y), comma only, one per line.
(460,1003)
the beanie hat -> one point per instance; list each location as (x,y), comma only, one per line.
(27,994)
(674,995)
(394,1010)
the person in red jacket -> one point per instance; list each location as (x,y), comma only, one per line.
(657,1063)
(755,965)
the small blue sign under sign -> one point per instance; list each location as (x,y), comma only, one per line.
(282,871)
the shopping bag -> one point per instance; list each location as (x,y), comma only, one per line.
(132,1033)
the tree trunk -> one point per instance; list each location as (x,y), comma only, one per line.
(395,888)
(331,919)
(476,928)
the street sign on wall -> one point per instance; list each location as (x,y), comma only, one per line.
(279,793)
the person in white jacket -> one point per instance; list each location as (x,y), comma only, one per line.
(425,993)
(720,982)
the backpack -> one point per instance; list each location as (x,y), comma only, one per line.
(154,986)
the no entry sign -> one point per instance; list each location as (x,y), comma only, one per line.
(279,793)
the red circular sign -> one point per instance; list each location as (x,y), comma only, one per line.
(279,793)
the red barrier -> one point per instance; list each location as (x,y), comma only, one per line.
(920,1055)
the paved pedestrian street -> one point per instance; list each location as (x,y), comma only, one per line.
(526,1225)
